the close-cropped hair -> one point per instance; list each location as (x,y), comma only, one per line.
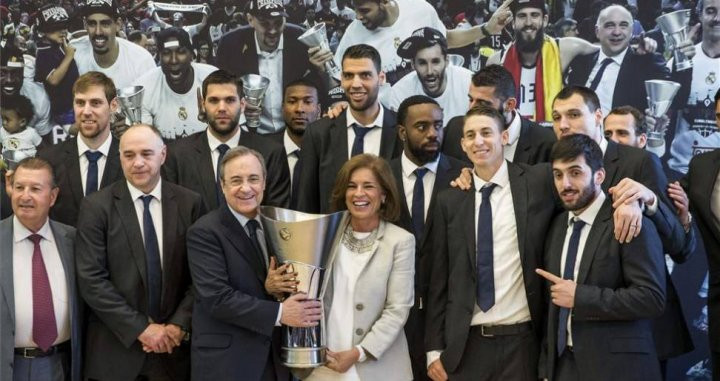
(21,105)
(484,110)
(573,146)
(239,151)
(95,78)
(412,101)
(222,77)
(363,51)
(589,97)
(498,77)
(636,114)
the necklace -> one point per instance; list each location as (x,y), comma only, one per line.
(356,245)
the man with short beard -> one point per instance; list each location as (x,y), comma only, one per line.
(170,97)
(433,75)
(102,51)
(90,161)
(193,161)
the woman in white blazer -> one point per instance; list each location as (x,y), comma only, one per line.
(370,285)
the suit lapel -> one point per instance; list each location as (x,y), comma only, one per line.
(125,208)
(65,249)
(519,191)
(170,228)
(388,140)
(73,169)
(594,239)
(610,163)
(339,137)
(623,78)
(396,167)
(523,143)
(204,170)
(112,164)
(442,181)
(556,245)
(6,265)
(467,216)
(235,233)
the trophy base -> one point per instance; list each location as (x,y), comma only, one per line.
(303,357)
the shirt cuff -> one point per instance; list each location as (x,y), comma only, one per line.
(279,316)
(650,210)
(432,356)
(363,356)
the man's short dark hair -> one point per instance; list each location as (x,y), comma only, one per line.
(573,146)
(498,77)
(412,101)
(222,77)
(589,97)
(636,114)
(485,110)
(21,105)
(300,82)
(363,51)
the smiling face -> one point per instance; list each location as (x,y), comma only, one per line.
(11,80)
(422,132)
(300,108)
(529,24)
(268,30)
(361,82)
(32,196)
(101,30)
(142,153)
(613,30)
(371,13)
(430,64)
(92,112)
(576,184)
(175,63)
(483,140)
(243,184)
(710,20)
(364,197)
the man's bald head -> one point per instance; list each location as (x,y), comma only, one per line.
(142,153)
(614,29)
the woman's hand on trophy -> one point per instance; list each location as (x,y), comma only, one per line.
(299,311)
(280,280)
(342,361)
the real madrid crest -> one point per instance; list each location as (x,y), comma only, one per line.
(285,234)
(13,144)
(182,113)
(710,79)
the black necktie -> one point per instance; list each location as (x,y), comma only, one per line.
(596,81)
(152,257)
(418,203)
(91,183)
(568,273)
(484,239)
(359,142)
(252,227)
(222,149)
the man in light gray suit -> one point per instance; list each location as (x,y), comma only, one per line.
(40,326)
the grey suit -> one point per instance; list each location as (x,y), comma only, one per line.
(65,239)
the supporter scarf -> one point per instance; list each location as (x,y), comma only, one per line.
(548,76)
(177,7)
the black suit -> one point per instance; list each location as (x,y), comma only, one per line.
(65,161)
(630,82)
(279,137)
(448,169)
(112,274)
(533,145)
(234,334)
(189,164)
(620,287)
(452,291)
(325,150)
(699,183)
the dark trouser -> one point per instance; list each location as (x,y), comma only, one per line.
(415,334)
(506,357)
(566,368)
(55,367)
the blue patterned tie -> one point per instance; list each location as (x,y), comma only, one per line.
(484,247)
(152,257)
(91,183)
(359,142)
(568,273)
(418,203)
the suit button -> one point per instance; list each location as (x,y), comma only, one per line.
(359,307)
(359,331)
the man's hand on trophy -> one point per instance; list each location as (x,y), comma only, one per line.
(687,47)
(656,124)
(280,280)
(299,311)
(342,361)
(318,56)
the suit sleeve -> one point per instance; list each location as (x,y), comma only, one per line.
(398,301)
(437,291)
(643,294)
(94,279)
(278,182)
(214,292)
(308,184)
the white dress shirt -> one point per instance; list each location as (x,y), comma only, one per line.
(606,88)
(213,142)
(513,137)
(372,140)
(715,202)
(409,178)
(84,163)
(293,153)
(588,216)
(155,212)
(22,254)
(270,66)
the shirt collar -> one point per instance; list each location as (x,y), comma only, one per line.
(378,122)
(588,215)
(501,178)
(104,148)
(603,145)
(514,129)
(617,58)
(137,193)
(213,142)
(408,167)
(290,145)
(268,54)
(20,232)
(243,220)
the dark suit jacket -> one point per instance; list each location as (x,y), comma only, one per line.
(189,164)
(452,295)
(234,329)
(325,150)
(65,162)
(630,82)
(533,146)
(699,183)
(111,268)
(620,287)
(65,241)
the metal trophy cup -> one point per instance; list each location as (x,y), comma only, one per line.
(131,102)
(12,158)
(305,241)
(674,26)
(317,36)
(254,87)
(660,95)
(456,59)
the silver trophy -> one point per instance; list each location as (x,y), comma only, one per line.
(12,158)
(131,102)
(306,242)
(456,59)
(674,26)
(317,36)
(254,87)
(660,95)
